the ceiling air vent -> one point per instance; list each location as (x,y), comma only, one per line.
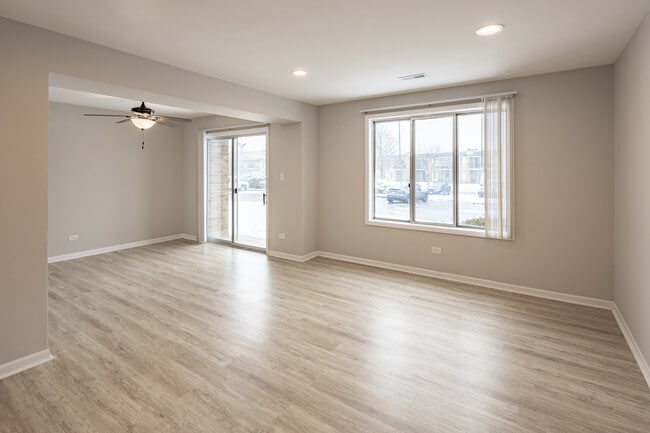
(412,77)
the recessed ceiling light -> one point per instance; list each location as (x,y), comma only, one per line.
(299,73)
(490,29)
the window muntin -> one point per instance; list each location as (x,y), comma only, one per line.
(440,174)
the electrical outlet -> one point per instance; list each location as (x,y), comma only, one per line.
(282,236)
(436,250)
(73,237)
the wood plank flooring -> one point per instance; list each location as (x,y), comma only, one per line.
(180,337)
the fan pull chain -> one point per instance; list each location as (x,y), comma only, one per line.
(142,138)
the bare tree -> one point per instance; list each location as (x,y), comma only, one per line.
(385,151)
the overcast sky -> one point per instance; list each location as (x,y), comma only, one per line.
(433,135)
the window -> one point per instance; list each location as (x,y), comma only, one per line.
(426,169)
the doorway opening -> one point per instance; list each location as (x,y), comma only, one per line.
(236,194)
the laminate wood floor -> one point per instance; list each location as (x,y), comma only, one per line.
(180,337)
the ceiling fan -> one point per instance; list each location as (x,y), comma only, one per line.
(143,117)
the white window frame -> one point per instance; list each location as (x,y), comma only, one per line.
(370,119)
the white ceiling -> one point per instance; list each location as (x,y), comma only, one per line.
(106,102)
(350,48)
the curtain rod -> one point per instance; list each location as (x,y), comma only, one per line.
(434,103)
(235,127)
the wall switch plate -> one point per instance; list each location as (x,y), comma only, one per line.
(282,236)
(281,176)
(73,237)
(436,250)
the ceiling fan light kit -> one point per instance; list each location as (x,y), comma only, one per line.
(143,122)
(143,118)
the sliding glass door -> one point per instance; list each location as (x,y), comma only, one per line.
(250,190)
(236,195)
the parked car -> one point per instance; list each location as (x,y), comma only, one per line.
(441,188)
(481,192)
(402,194)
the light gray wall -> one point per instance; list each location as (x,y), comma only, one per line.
(632,207)
(564,189)
(23,197)
(104,187)
(29,56)
(309,164)
(286,212)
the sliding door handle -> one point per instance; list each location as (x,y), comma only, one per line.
(264,198)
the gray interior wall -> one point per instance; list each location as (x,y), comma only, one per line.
(29,56)
(103,187)
(564,188)
(285,196)
(632,208)
(23,197)
(309,165)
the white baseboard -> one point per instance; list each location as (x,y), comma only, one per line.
(292,257)
(24,363)
(506,287)
(188,237)
(634,347)
(112,248)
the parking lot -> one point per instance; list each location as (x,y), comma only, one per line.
(437,208)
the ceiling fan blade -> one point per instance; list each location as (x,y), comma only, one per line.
(165,122)
(175,119)
(107,115)
(122,121)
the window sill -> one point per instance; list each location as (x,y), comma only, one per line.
(460,231)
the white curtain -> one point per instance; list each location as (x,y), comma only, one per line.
(498,153)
